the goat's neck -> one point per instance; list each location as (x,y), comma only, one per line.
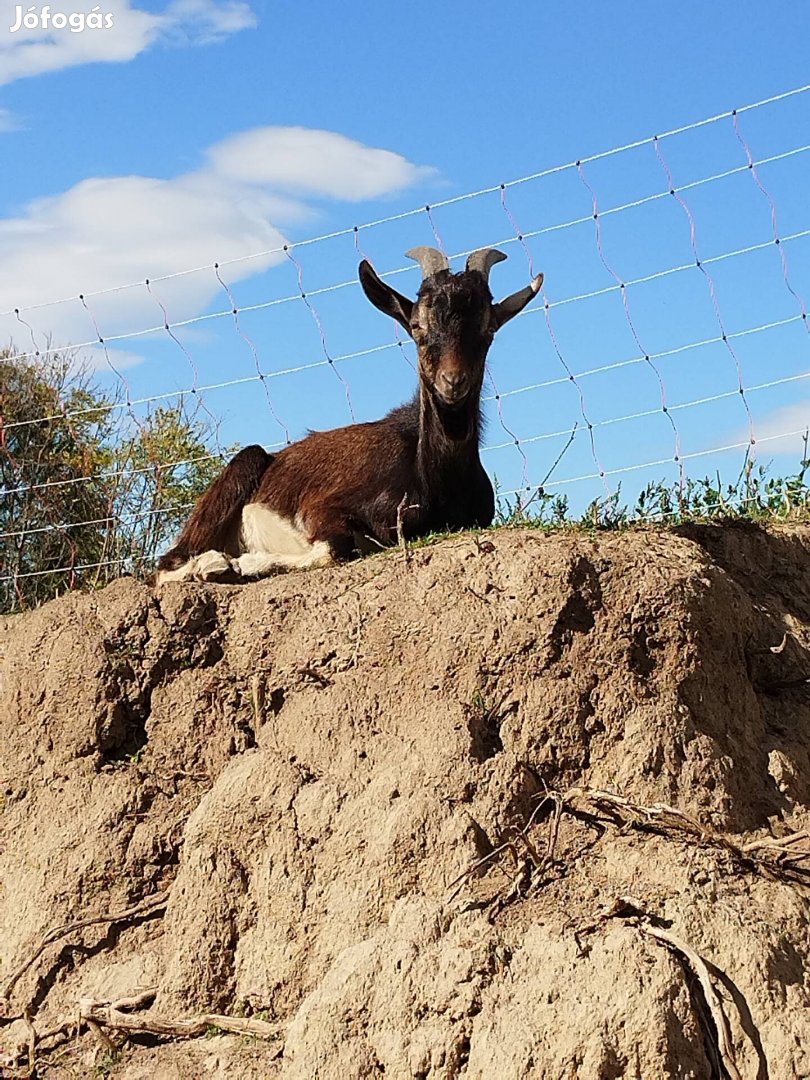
(446,436)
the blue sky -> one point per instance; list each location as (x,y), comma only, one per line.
(208,130)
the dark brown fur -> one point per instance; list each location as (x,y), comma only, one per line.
(214,520)
(349,482)
(380,464)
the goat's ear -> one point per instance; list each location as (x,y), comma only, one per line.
(512,305)
(385,298)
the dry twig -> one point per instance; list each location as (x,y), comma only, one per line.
(529,863)
(782,847)
(100,1035)
(120,1016)
(149,906)
(775,857)
(778,857)
(698,966)
(257,699)
(402,510)
(633,911)
(32,1041)
(113,1016)
(358,633)
(307,671)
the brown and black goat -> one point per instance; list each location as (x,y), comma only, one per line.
(338,492)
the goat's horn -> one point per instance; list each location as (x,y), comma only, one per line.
(484,260)
(430,259)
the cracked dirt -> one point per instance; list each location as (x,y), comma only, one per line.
(309,764)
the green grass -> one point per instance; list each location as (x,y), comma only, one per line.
(106,1063)
(754,497)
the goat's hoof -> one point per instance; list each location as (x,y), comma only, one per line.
(214,566)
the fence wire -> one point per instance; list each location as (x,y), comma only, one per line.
(568,404)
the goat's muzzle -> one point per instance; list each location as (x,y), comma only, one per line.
(452,387)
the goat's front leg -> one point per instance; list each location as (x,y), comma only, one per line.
(318,536)
(209,566)
(256,564)
(272,541)
(213,566)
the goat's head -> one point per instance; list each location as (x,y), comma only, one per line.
(452,320)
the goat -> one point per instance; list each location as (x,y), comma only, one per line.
(336,493)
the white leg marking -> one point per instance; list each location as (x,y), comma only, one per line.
(212,565)
(182,573)
(272,542)
(209,566)
(269,543)
(266,531)
(259,563)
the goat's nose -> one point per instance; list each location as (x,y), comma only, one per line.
(453,381)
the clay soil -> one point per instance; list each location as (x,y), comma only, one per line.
(519,806)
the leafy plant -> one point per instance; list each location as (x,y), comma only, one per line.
(755,496)
(87,491)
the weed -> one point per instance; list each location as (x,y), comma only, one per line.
(125,760)
(755,496)
(106,1062)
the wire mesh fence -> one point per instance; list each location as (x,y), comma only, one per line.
(671,338)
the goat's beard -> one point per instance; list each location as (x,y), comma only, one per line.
(455,418)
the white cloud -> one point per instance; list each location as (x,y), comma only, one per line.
(314,162)
(37,51)
(106,232)
(776,425)
(103,233)
(8,122)
(200,22)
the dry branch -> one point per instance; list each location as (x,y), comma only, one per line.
(529,863)
(698,966)
(782,847)
(148,906)
(402,510)
(120,1016)
(102,1038)
(112,1016)
(776,857)
(631,910)
(32,1041)
(358,634)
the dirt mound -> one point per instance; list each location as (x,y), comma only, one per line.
(521,806)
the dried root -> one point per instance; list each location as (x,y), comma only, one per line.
(124,1015)
(530,865)
(784,859)
(119,1016)
(780,858)
(150,906)
(698,965)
